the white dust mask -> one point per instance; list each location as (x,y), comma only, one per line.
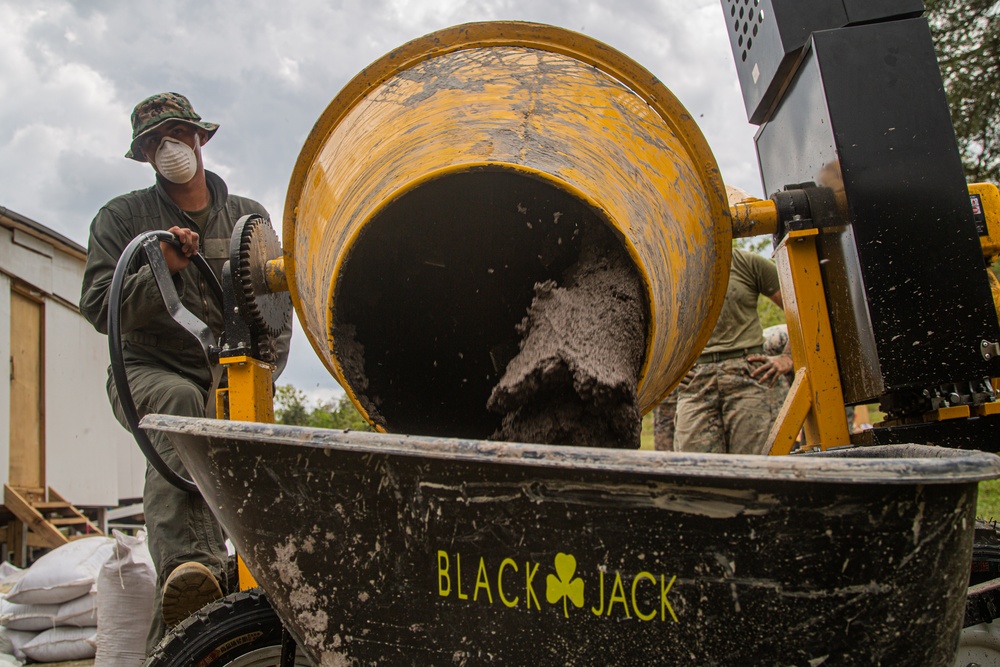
(176,161)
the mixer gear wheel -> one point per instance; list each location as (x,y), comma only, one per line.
(252,248)
(266,351)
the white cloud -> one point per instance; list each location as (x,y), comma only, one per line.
(56,112)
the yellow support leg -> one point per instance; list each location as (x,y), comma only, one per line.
(246,579)
(250,390)
(786,428)
(249,397)
(816,402)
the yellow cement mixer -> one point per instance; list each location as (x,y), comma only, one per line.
(440,189)
(455,173)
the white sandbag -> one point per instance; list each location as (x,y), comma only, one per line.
(64,573)
(61,645)
(9,661)
(80,612)
(27,617)
(126,587)
(7,568)
(9,572)
(9,575)
(15,639)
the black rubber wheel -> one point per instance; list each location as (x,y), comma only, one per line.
(240,630)
(984,606)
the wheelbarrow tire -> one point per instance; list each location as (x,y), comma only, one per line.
(240,630)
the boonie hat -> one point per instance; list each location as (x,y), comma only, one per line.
(158,109)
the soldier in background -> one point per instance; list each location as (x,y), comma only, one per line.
(734,394)
(776,344)
(663,423)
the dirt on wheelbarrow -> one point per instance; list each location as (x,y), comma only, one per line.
(574,380)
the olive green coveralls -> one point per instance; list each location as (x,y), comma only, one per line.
(166,366)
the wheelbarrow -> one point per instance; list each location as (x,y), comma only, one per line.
(388,549)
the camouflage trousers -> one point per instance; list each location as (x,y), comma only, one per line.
(663,423)
(725,411)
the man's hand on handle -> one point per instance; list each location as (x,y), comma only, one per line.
(178,257)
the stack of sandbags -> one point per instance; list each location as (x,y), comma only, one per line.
(11,641)
(54,603)
(125,588)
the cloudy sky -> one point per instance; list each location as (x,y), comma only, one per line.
(70,73)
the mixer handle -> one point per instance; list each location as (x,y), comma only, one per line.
(149,242)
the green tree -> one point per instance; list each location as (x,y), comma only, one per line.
(290,408)
(769,312)
(339,414)
(967,40)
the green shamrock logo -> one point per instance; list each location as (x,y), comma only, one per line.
(564,586)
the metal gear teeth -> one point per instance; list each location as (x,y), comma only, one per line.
(250,300)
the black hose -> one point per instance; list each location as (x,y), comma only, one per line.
(144,242)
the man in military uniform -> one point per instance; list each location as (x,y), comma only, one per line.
(166,367)
(776,344)
(733,395)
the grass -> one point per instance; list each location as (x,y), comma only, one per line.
(989,500)
(646,438)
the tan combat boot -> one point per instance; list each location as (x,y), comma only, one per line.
(188,588)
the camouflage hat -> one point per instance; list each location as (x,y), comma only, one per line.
(158,109)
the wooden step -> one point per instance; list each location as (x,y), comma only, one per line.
(69,521)
(71,512)
(50,519)
(48,506)
(47,534)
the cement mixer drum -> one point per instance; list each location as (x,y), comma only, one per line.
(457,172)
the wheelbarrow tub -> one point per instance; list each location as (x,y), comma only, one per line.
(388,549)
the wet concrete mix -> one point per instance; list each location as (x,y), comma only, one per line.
(575,377)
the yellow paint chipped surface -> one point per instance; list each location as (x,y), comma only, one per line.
(540,101)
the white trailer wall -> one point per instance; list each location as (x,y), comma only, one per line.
(89,458)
